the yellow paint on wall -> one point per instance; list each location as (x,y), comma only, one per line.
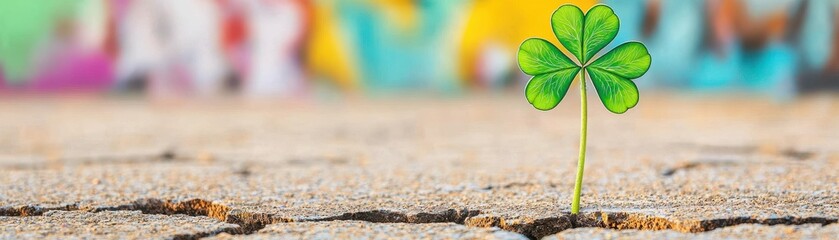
(401,13)
(507,23)
(326,54)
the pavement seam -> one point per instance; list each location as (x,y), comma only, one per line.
(34,210)
(248,222)
(168,155)
(533,228)
(538,228)
(541,227)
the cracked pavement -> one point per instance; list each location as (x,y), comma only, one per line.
(479,167)
(105,225)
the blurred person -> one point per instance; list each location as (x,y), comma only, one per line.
(263,42)
(172,47)
(493,66)
(276,33)
(234,42)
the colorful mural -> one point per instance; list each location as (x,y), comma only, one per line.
(287,48)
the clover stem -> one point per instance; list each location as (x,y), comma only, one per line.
(578,185)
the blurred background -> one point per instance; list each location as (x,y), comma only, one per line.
(294,48)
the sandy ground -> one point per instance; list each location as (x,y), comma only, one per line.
(485,167)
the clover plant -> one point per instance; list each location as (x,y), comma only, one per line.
(583,35)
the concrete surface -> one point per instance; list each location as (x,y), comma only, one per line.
(107,225)
(690,165)
(365,230)
(745,231)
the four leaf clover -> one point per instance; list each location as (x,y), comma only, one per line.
(583,35)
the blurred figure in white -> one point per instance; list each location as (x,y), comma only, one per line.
(493,66)
(277,29)
(173,46)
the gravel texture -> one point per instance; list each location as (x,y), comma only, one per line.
(366,230)
(107,225)
(745,231)
(690,165)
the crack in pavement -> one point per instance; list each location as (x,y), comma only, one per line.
(538,228)
(719,149)
(745,150)
(798,154)
(517,185)
(168,155)
(696,164)
(534,228)
(34,210)
(386,216)
(248,222)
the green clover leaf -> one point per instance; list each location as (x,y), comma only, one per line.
(612,74)
(584,35)
(552,72)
